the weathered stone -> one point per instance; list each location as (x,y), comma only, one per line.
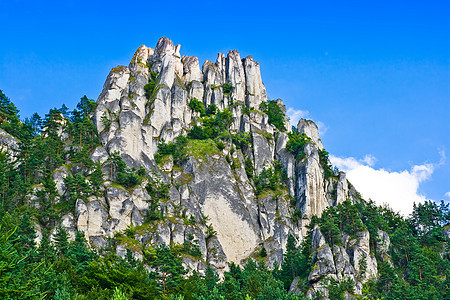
(99,154)
(310,129)
(255,89)
(206,190)
(310,186)
(191,69)
(8,142)
(235,75)
(58,177)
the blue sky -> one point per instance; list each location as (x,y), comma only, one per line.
(376,75)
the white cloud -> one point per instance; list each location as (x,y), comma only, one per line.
(369,159)
(447,194)
(399,190)
(322,127)
(296,114)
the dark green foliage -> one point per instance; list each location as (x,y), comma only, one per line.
(61,240)
(249,169)
(275,114)
(78,187)
(110,272)
(245,110)
(197,106)
(159,192)
(25,233)
(211,110)
(168,269)
(263,252)
(46,252)
(106,121)
(242,140)
(176,149)
(296,144)
(121,173)
(81,126)
(270,178)
(295,263)
(220,145)
(336,289)
(149,88)
(212,126)
(46,213)
(427,216)
(20,278)
(254,281)
(96,178)
(343,218)
(227,88)
(191,247)
(9,116)
(325,163)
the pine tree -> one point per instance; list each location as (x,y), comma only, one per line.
(20,276)
(169,269)
(61,240)
(26,234)
(46,252)
(79,254)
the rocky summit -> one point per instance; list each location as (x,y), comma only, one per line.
(198,161)
(212,183)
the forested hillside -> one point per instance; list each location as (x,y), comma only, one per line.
(414,265)
(189,183)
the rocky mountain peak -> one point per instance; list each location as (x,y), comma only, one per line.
(158,98)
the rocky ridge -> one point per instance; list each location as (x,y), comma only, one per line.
(212,198)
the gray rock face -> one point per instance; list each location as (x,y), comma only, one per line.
(214,189)
(351,260)
(8,142)
(310,184)
(310,129)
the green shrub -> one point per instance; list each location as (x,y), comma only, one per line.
(149,88)
(159,192)
(127,178)
(296,144)
(263,252)
(191,247)
(242,140)
(270,178)
(275,114)
(106,121)
(176,149)
(197,133)
(220,145)
(197,106)
(211,110)
(151,85)
(249,169)
(325,163)
(212,126)
(227,88)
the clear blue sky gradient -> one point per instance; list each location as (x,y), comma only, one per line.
(375,72)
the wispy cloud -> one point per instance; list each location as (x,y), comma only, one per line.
(399,190)
(322,127)
(296,114)
(447,194)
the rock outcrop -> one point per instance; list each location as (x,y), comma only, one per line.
(350,260)
(211,195)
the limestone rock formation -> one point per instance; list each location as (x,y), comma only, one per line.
(8,142)
(212,195)
(350,261)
